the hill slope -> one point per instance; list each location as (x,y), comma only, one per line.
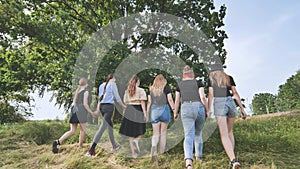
(270,142)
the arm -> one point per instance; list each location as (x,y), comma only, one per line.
(238,100)
(117,96)
(143,104)
(177,101)
(96,113)
(203,100)
(85,102)
(171,101)
(149,104)
(210,98)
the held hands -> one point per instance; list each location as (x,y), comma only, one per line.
(95,113)
(207,114)
(146,117)
(176,116)
(244,115)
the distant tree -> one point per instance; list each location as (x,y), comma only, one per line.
(289,94)
(264,103)
(9,114)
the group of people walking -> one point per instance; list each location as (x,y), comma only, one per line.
(194,110)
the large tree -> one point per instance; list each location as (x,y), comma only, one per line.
(289,94)
(41,39)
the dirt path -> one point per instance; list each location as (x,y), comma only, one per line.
(294,112)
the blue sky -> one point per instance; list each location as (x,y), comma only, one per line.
(263,48)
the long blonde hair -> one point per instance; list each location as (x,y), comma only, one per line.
(82,82)
(131,88)
(158,85)
(220,78)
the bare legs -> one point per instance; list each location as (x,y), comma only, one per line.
(72,131)
(134,145)
(82,134)
(159,134)
(225,128)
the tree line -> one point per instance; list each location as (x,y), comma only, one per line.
(287,99)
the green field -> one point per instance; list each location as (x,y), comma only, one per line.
(269,142)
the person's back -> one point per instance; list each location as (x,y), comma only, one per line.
(221,89)
(188,90)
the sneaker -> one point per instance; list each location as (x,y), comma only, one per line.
(135,155)
(200,160)
(235,164)
(189,166)
(136,143)
(90,153)
(54,147)
(116,147)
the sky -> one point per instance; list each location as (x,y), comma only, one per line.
(263,49)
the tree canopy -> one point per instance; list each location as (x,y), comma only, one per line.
(40,41)
(289,94)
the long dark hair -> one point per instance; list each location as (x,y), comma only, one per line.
(132,85)
(110,76)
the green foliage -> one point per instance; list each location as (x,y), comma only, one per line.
(264,103)
(288,98)
(289,94)
(40,41)
(8,114)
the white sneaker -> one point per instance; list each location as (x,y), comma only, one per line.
(135,155)
(235,164)
(136,142)
(115,148)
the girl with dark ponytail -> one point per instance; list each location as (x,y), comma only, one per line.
(108,91)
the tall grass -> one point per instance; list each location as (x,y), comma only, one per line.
(269,143)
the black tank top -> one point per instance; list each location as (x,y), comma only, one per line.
(80,97)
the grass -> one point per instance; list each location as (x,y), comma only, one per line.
(261,143)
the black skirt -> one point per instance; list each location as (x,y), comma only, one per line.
(133,123)
(79,117)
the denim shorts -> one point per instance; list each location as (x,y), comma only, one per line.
(160,114)
(225,106)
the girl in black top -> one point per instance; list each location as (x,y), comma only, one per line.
(193,112)
(158,99)
(81,101)
(221,89)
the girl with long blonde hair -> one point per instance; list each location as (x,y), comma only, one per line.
(158,99)
(221,90)
(81,101)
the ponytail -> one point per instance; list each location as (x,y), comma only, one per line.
(110,76)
